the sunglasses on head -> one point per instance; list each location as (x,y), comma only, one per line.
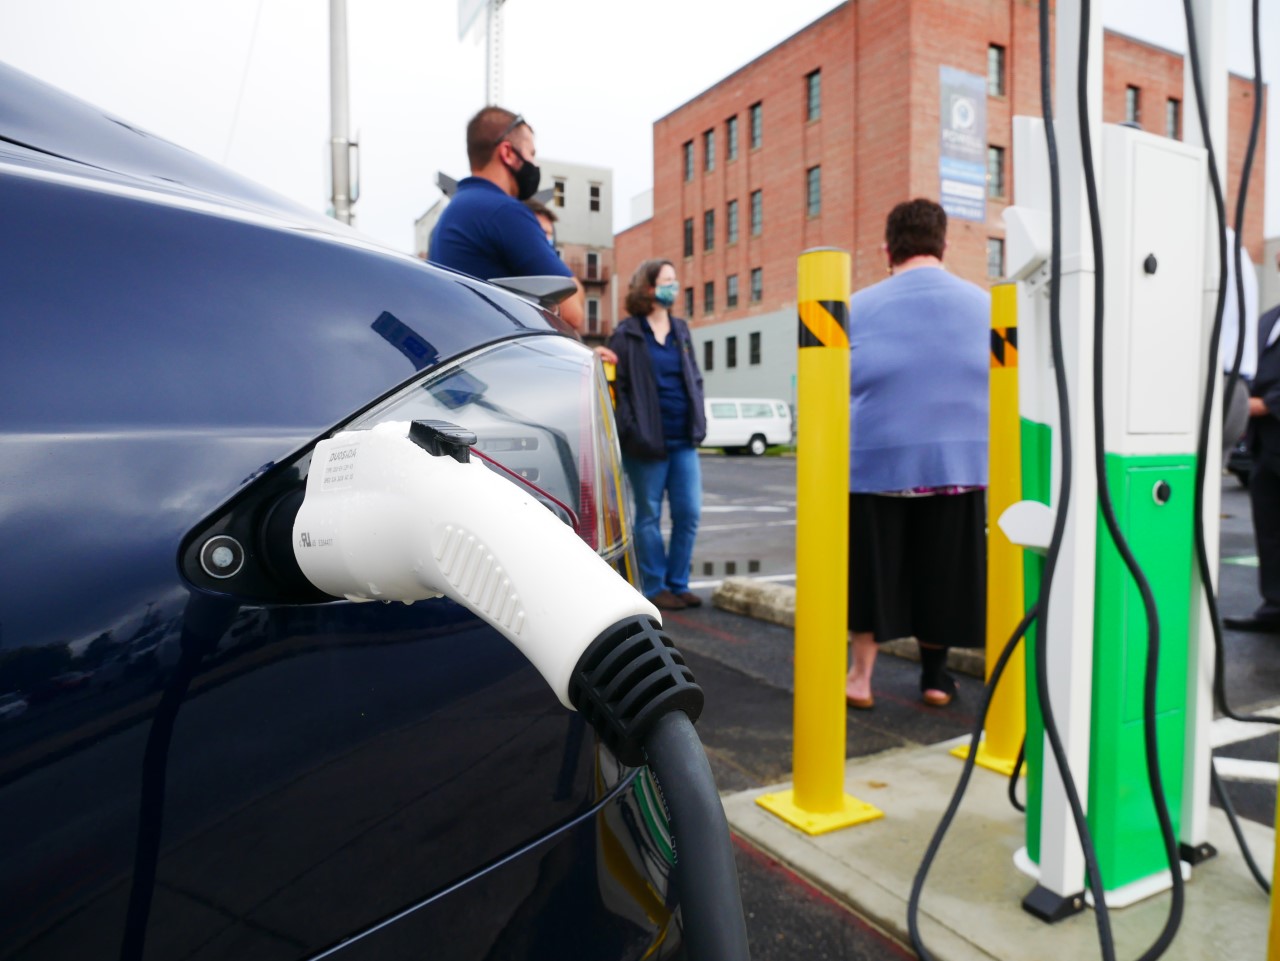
(510,127)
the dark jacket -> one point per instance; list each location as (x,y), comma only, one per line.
(1264,431)
(639,415)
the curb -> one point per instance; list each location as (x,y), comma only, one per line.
(776,603)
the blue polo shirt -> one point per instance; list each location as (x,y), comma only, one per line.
(486,233)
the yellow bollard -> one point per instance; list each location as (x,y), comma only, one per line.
(817,802)
(1007,719)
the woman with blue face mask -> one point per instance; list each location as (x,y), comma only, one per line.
(660,424)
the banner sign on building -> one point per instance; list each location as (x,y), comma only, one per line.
(962,162)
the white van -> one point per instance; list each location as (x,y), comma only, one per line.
(747,424)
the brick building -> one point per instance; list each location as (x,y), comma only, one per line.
(814,141)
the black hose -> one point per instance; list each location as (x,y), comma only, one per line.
(706,876)
(1241,194)
(1220,790)
(1013,778)
(931,852)
(1202,441)
(1151,666)
(1101,914)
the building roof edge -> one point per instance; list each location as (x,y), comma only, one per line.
(1171,52)
(760,56)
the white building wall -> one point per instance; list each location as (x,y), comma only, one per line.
(576,222)
(642,206)
(423,226)
(773,376)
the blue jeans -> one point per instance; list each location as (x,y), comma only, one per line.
(680,478)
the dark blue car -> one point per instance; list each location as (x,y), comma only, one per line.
(205,773)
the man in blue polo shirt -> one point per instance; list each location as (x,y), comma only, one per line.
(485,230)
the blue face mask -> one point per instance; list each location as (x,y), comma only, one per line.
(665,294)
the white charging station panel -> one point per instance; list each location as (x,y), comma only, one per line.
(1154,234)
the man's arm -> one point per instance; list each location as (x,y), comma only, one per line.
(573,309)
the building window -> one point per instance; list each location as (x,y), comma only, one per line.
(995,172)
(709,230)
(731,291)
(995,70)
(557,195)
(731,139)
(995,257)
(688,160)
(709,150)
(813,95)
(708,355)
(709,298)
(688,237)
(757,212)
(731,223)
(813,190)
(593,265)
(1173,118)
(757,284)
(731,351)
(593,315)
(595,196)
(757,124)
(688,302)
(1132,105)
(753,349)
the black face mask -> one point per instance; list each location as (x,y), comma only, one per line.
(527,177)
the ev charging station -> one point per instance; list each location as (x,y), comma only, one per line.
(1160,283)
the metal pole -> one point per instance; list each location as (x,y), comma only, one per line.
(339,114)
(493,54)
(817,803)
(1006,719)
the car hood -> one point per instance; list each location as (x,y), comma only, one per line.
(42,118)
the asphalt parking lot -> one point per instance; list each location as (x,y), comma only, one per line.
(745,666)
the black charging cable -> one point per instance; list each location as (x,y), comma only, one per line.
(1202,441)
(1150,733)
(1017,773)
(1093,873)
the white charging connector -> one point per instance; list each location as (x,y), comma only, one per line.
(386,519)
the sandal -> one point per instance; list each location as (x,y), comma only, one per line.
(937,686)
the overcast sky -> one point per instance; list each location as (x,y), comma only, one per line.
(245,82)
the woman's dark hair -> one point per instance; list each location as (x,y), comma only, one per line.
(914,228)
(640,294)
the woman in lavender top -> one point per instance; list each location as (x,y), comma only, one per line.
(919,344)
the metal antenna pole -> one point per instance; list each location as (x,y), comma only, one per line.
(493,55)
(340,121)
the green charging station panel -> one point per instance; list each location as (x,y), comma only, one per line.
(1154,500)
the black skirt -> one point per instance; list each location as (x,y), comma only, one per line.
(918,567)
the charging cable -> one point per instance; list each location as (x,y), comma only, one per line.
(401,512)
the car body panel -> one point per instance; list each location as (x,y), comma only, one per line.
(306,772)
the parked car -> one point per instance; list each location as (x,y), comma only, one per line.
(306,776)
(747,424)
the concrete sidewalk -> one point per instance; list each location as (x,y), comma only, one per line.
(971,907)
